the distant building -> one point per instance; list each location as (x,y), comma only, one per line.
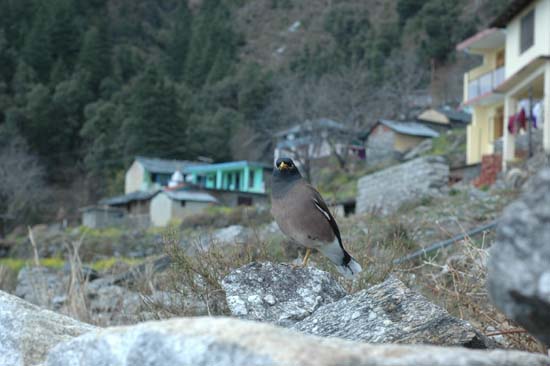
(167,205)
(158,191)
(390,140)
(513,78)
(147,174)
(443,119)
(233,183)
(318,139)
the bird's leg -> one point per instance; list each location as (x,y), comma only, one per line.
(306,257)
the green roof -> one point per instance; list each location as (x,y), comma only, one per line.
(233,165)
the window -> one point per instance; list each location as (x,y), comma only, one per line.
(182,203)
(527,35)
(251,179)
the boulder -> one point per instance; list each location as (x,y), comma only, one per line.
(27,332)
(112,304)
(391,313)
(234,234)
(385,191)
(232,342)
(518,266)
(40,285)
(278,293)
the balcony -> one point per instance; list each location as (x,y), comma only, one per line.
(485,83)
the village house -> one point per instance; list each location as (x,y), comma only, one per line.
(444,119)
(159,191)
(318,139)
(146,174)
(511,85)
(390,140)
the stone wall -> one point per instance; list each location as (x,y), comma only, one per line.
(386,190)
(380,146)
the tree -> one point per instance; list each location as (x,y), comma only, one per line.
(95,56)
(23,193)
(178,45)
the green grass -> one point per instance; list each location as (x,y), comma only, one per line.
(16,264)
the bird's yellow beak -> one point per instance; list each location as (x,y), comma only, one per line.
(283,166)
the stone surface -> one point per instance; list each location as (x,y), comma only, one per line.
(233,342)
(278,293)
(519,261)
(234,234)
(391,313)
(40,285)
(386,190)
(112,304)
(28,332)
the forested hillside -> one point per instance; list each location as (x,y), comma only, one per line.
(87,85)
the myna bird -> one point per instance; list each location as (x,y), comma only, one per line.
(304,217)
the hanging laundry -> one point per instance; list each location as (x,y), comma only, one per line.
(537,114)
(517,122)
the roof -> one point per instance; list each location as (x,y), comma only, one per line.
(164,166)
(455,115)
(409,128)
(489,38)
(130,197)
(514,8)
(295,142)
(225,166)
(321,123)
(191,196)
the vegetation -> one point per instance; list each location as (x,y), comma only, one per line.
(89,86)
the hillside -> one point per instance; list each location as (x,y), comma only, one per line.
(86,87)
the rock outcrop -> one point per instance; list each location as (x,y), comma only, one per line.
(27,332)
(386,190)
(391,313)
(278,293)
(233,342)
(519,261)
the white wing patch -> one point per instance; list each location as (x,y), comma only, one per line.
(327,215)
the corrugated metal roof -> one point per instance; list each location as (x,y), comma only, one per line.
(224,166)
(126,198)
(164,166)
(409,128)
(312,125)
(293,143)
(455,115)
(191,196)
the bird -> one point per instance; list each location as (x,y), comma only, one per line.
(303,216)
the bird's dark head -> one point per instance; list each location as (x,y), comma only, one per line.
(285,167)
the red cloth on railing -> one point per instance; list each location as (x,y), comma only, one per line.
(517,121)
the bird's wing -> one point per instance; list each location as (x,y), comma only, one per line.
(320,204)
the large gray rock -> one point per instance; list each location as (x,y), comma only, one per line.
(391,313)
(278,293)
(386,190)
(27,332)
(233,342)
(519,261)
(40,286)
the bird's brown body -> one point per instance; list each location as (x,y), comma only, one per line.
(309,226)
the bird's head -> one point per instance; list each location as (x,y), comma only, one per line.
(285,167)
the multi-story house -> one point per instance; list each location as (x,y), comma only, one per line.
(513,82)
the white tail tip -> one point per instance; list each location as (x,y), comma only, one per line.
(350,270)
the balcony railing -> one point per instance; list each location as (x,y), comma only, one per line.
(485,83)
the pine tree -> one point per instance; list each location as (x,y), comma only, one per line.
(178,45)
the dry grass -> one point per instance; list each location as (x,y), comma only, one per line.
(456,280)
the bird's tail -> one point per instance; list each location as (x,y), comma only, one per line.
(345,264)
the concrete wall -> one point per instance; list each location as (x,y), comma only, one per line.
(516,60)
(480,134)
(134,178)
(403,143)
(386,190)
(164,209)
